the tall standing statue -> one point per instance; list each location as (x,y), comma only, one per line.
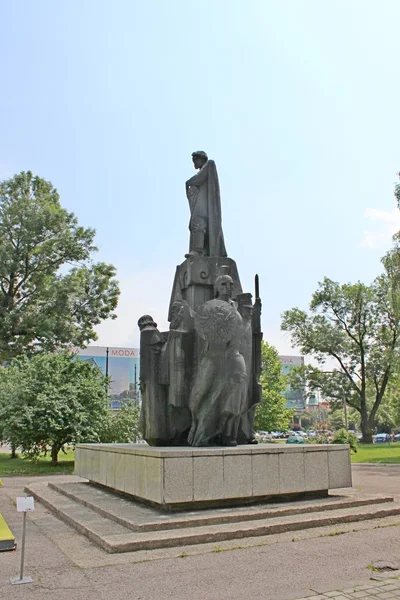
(202,191)
(200,380)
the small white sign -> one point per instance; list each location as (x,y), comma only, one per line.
(25,503)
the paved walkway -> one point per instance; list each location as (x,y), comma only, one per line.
(384,590)
(330,562)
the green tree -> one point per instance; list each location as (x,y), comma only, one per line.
(307,420)
(271,413)
(393,399)
(357,327)
(397,192)
(51,293)
(336,418)
(122,427)
(51,399)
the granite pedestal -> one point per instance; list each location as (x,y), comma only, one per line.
(186,477)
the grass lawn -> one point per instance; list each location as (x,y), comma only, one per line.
(25,466)
(377,453)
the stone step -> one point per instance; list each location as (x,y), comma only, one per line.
(139,517)
(84,520)
(114,537)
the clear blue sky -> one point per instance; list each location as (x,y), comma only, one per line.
(297,101)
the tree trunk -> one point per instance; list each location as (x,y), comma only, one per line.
(13,451)
(365,423)
(54,454)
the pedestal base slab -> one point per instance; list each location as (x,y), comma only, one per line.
(174,478)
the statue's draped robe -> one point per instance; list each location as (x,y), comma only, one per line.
(205,203)
(219,392)
(153,416)
(178,366)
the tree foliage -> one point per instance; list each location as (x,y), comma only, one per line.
(51,399)
(122,427)
(51,293)
(397,192)
(271,413)
(345,437)
(358,327)
(392,400)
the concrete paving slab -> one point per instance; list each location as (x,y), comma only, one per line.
(272,568)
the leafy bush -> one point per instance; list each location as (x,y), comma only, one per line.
(123,427)
(50,400)
(321,438)
(341,436)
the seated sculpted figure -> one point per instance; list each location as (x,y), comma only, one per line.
(219,393)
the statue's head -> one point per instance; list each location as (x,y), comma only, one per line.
(224,286)
(146,322)
(199,159)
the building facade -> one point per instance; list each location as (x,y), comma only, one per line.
(122,366)
(294,399)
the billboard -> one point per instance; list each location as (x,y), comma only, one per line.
(121,365)
(294,399)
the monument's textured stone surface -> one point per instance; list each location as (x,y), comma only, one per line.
(316,470)
(178,479)
(265,468)
(208,478)
(200,385)
(339,474)
(238,478)
(200,380)
(291,472)
(189,476)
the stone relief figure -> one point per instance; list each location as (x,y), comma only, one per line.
(153,416)
(220,387)
(202,191)
(178,356)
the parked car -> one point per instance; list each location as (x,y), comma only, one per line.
(382,437)
(397,437)
(263,436)
(295,439)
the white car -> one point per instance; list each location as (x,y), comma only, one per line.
(263,436)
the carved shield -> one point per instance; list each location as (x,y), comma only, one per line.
(216,321)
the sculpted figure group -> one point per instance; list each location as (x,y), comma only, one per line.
(200,380)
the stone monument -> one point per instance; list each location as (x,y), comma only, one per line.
(200,387)
(200,380)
